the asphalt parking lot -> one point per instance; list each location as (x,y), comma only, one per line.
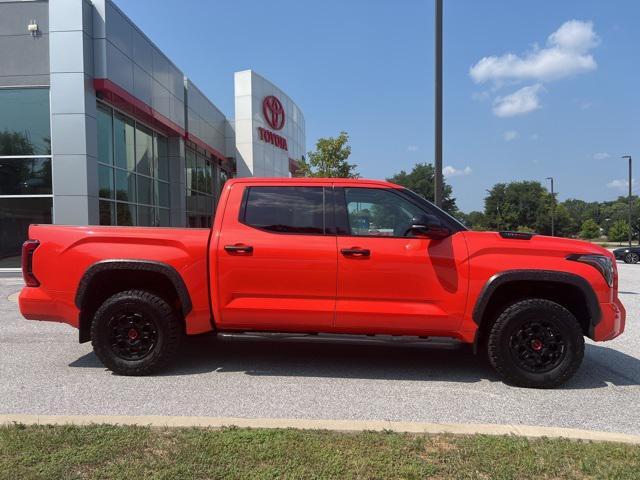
(43,370)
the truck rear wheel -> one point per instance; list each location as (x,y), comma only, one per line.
(536,343)
(135,333)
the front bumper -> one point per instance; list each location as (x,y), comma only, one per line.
(611,323)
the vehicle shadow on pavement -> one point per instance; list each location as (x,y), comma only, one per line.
(417,361)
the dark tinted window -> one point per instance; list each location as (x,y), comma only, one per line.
(24,121)
(25,176)
(286,209)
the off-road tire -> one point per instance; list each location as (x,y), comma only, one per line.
(508,329)
(168,332)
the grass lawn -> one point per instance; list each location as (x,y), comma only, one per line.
(101,451)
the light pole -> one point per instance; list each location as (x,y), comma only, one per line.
(553,208)
(628,157)
(437,177)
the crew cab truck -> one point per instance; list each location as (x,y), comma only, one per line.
(338,256)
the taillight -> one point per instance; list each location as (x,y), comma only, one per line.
(28,248)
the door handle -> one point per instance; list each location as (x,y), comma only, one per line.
(239,248)
(356,252)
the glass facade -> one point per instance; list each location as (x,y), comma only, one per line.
(133,172)
(201,190)
(26,194)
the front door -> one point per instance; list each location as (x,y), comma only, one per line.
(388,281)
(276,262)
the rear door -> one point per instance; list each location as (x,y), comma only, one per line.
(388,281)
(277,259)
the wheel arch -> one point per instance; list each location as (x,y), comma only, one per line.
(567,289)
(107,277)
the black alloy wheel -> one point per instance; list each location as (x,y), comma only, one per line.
(631,257)
(538,346)
(133,335)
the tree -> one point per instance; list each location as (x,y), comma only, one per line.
(519,204)
(619,231)
(474,220)
(420,180)
(590,229)
(329,160)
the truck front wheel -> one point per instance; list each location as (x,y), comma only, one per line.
(135,333)
(536,343)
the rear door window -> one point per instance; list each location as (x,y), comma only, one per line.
(293,210)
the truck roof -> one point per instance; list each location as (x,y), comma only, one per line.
(350,181)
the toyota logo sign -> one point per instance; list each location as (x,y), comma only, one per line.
(273,112)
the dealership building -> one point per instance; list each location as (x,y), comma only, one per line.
(99,127)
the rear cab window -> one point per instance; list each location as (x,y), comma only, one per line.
(279,209)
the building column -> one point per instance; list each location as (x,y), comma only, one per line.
(73,113)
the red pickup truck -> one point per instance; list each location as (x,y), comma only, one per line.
(334,256)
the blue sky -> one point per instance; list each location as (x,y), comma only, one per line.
(563,104)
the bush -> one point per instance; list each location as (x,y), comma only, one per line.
(589,229)
(619,231)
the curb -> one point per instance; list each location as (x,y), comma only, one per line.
(335,425)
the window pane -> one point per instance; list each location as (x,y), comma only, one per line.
(124,137)
(192,177)
(20,176)
(201,183)
(126,214)
(208,177)
(146,216)
(144,150)
(105,181)
(145,190)
(163,218)
(15,216)
(105,135)
(162,190)
(125,186)
(286,209)
(162,153)
(378,212)
(107,213)
(24,121)
(192,201)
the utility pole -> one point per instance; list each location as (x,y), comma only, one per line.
(553,208)
(628,157)
(437,177)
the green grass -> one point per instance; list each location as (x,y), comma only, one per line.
(110,452)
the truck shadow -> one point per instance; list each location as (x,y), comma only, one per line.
(416,361)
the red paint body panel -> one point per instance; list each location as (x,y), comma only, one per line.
(301,283)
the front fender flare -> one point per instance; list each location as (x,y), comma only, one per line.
(502,278)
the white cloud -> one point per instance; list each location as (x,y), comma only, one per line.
(601,156)
(412,148)
(510,135)
(566,54)
(450,171)
(622,185)
(519,102)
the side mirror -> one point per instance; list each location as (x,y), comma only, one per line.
(427,226)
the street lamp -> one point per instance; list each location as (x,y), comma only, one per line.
(628,157)
(553,208)
(437,177)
